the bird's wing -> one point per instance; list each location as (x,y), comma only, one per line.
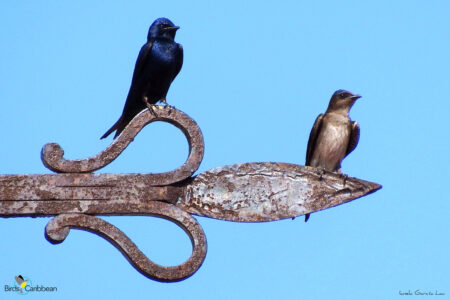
(140,62)
(179,62)
(313,138)
(128,111)
(354,138)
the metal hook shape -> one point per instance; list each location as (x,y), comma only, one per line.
(58,228)
(52,153)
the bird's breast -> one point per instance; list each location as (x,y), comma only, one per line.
(332,143)
(165,53)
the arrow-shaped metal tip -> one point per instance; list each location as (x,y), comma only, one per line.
(258,192)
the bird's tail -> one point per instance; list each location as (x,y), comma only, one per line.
(307,217)
(116,126)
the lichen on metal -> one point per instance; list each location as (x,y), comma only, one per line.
(259,192)
(248,192)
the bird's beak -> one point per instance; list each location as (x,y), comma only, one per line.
(173,28)
(355,97)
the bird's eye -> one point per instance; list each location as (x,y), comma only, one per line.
(342,95)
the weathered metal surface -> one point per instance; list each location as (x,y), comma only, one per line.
(58,229)
(52,154)
(98,194)
(250,192)
(260,192)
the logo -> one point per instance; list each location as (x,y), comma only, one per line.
(21,282)
(23,286)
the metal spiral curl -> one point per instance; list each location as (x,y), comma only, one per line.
(58,228)
(52,153)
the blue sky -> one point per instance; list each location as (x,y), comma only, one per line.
(255,76)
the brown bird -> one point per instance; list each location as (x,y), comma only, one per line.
(334,135)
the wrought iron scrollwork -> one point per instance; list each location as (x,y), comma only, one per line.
(52,154)
(57,230)
(248,192)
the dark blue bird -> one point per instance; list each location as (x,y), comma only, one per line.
(157,65)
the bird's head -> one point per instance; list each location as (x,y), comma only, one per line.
(342,100)
(162,28)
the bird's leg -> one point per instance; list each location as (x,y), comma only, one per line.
(151,107)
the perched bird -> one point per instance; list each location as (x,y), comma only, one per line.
(157,65)
(334,135)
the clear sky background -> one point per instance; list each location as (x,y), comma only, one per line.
(255,76)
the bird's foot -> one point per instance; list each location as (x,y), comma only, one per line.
(167,105)
(321,173)
(164,102)
(345,176)
(345,179)
(151,107)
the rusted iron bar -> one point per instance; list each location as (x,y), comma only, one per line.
(52,154)
(95,194)
(54,194)
(249,192)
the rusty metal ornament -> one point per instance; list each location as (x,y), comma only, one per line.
(265,191)
(52,154)
(57,230)
(248,192)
